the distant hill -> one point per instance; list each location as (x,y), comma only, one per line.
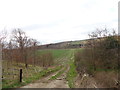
(64,45)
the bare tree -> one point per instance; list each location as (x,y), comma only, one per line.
(3,35)
(22,42)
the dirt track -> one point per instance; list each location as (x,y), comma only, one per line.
(60,82)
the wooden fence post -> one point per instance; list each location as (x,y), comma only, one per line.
(20,75)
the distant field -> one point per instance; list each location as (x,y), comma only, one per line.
(57,53)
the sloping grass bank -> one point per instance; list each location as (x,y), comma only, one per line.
(31,79)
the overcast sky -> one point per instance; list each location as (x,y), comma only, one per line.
(51,21)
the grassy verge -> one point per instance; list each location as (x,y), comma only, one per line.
(57,75)
(72,73)
(43,73)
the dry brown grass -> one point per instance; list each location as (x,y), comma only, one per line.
(106,79)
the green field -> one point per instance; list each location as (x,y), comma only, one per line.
(57,53)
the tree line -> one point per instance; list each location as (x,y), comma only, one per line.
(21,48)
